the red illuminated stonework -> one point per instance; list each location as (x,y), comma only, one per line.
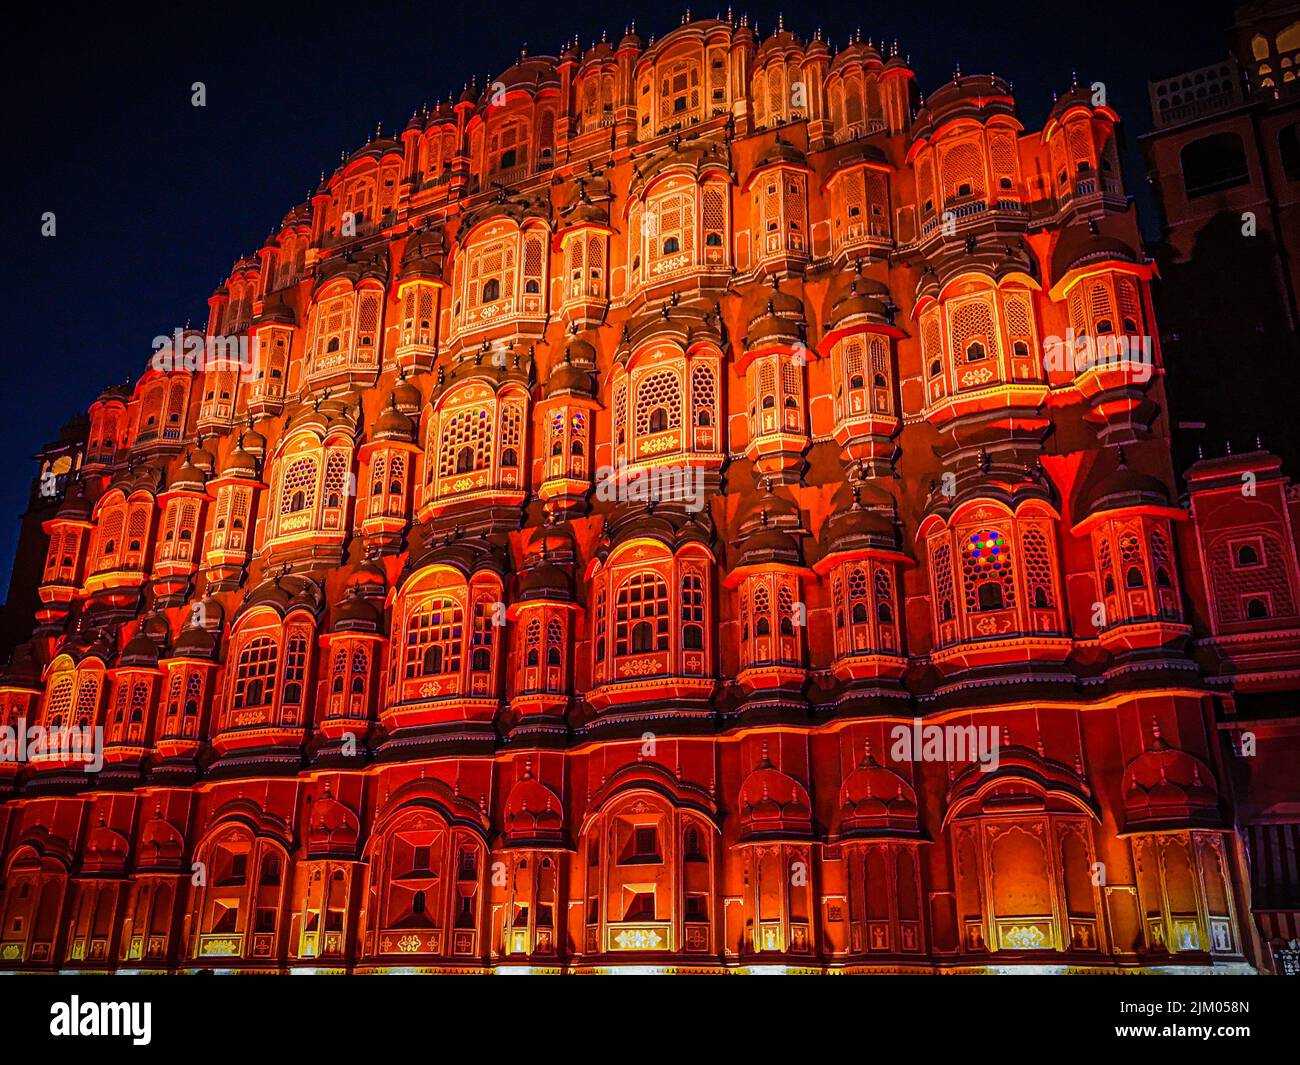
(636,448)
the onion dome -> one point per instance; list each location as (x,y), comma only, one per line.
(469,555)
(691,157)
(276,312)
(528,72)
(973,96)
(140,651)
(144,477)
(120,393)
(196,641)
(406,395)
(770,531)
(392,424)
(631,39)
(75,506)
(187,478)
(516,208)
(773,804)
(286,592)
(368,578)
(1165,787)
(590,204)
(569,378)
(1082,245)
(867,523)
(548,559)
(23,671)
(1123,488)
(532,811)
(423,256)
(780,42)
(353,267)
(1075,96)
(253,442)
(201,458)
(817,48)
(355,612)
(775,317)
(859,300)
(781,151)
(668,522)
(876,801)
(239,463)
(599,51)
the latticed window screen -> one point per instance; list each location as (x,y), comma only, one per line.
(641,615)
(659,392)
(434,635)
(943,581)
(972,323)
(987,576)
(702,394)
(1080,147)
(368,327)
(193,694)
(256,673)
(298,489)
(1037,562)
(1002,152)
(1100,308)
(60,703)
(336,478)
(1129,305)
(714,211)
(466,441)
(87,701)
(963,171)
(1019,318)
(511,432)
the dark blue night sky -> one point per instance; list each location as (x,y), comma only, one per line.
(155,198)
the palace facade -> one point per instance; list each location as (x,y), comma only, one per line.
(638,461)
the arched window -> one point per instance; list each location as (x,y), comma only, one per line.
(990,596)
(491,290)
(1247,555)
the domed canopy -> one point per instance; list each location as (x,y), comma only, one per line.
(1168,788)
(423,257)
(392,424)
(1083,245)
(866,523)
(875,801)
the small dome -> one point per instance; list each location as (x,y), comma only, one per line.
(392,424)
(406,395)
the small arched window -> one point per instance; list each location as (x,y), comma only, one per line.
(975,351)
(491,290)
(1247,555)
(1256,609)
(989,596)
(671,245)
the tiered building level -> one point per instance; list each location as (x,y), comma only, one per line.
(635,448)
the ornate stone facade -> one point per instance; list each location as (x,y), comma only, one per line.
(650,465)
